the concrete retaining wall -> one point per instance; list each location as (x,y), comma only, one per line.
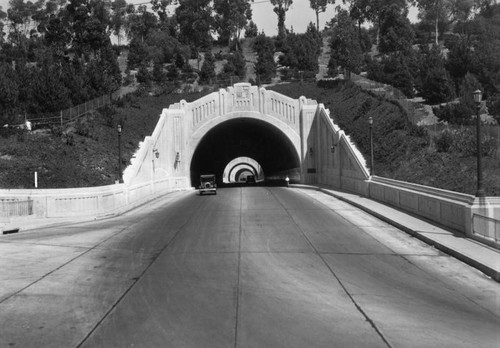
(331,157)
(92,202)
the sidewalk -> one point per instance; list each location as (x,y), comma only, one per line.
(473,253)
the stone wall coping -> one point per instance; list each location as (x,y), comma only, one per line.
(452,196)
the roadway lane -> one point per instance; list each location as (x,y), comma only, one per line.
(248,267)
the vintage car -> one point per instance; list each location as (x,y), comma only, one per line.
(208,184)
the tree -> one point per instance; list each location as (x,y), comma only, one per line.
(103,74)
(20,15)
(486,38)
(319,6)
(239,64)
(48,94)
(374,11)
(195,24)
(251,30)
(231,16)
(140,23)
(280,8)
(57,34)
(438,10)
(469,85)
(160,7)
(396,32)
(88,22)
(161,46)
(361,11)
(301,51)
(3,15)
(43,15)
(137,53)
(207,71)
(461,58)
(118,17)
(437,86)
(8,93)
(75,80)
(265,68)
(344,44)
(159,76)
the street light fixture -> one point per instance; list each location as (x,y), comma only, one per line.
(477,99)
(119,129)
(370,123)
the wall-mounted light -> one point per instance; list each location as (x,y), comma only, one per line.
(156,153)
(334,146)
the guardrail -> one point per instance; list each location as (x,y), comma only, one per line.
(486,227)
(10,208)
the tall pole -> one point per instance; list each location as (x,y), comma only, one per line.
(119,128)
(480,190)
(370,122)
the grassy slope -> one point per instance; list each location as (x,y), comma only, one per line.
(92,159)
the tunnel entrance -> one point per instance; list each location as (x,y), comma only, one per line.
(243,137)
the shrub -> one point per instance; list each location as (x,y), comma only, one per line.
(108,113)
(437,86)
(464,142)
(329,83)
(444,141)
(207,71)
(457,113)
(143,75)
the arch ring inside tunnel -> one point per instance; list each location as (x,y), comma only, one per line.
(255,139)
(236,169)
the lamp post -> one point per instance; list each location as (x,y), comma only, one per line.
(477,99)
(370,123)
(119,129)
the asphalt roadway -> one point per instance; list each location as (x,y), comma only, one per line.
(248,267)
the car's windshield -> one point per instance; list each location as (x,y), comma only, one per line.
(205,178)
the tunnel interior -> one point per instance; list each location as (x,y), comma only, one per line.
(243,137)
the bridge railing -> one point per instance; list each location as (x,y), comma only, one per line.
(486,227)
(16,207)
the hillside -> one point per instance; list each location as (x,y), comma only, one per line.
(85,154)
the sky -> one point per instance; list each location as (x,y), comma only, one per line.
(298,16)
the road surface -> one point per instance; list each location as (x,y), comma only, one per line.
(248,267)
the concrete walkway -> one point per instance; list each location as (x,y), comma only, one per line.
(478,255)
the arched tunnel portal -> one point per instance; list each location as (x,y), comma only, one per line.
(243,137)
